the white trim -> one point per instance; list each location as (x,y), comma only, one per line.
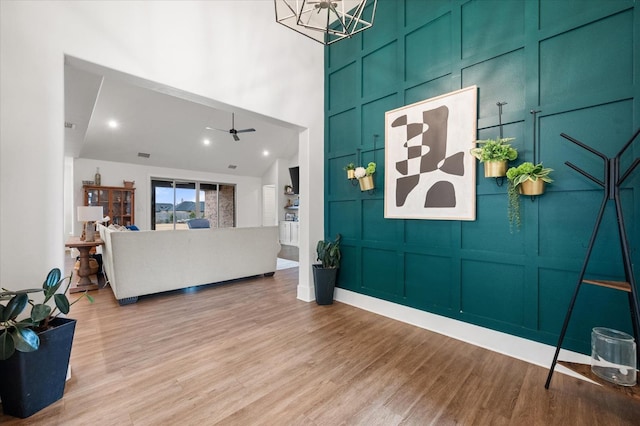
(305,293)
(516,347)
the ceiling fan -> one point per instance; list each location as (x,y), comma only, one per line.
(233,130)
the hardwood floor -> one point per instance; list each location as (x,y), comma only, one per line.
(249,353)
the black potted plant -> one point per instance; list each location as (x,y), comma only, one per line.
(324,274)
(35,349)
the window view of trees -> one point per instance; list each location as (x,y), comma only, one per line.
(174,203)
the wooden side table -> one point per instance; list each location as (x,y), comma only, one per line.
(84,271)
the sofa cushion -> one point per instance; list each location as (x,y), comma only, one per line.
(198,223)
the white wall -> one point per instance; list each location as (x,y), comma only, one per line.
(271,177)
(294,160)
(68,191)
(278,175)
(230,51)
(248,208)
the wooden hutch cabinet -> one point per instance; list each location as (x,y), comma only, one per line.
(117,202)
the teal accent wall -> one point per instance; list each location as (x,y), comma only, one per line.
(577,62)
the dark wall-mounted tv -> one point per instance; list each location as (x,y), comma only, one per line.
(295,179)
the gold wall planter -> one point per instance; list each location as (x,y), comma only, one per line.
(351,174)
(495,168)
(531,187)
(366,183)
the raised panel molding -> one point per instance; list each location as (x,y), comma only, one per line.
(430,89)
(425,62)
(573,60)
(427,280)
(602,48)
(489,23)
(383,30)
(490,233)
(342,87)
(500,78)
(342,127)
(349,276)
(338,184)
(343,219)
(374,226)
(341,54)
(373,119)
(380,70)
(603,127)
(379,268)
(557,14)
(570,234)
(493,290)
(418,11)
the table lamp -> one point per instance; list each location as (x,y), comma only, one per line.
(89,215)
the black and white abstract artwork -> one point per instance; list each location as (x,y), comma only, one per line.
(429,171)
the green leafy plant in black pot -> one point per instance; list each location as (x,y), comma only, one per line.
(325,273)
(35,348)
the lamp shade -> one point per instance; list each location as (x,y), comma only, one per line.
(90,213)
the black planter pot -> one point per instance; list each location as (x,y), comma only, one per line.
(325,282)
(33,380)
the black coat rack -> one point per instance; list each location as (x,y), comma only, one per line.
(613,179)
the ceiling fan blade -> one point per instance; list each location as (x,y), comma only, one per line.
(232,130)
(213,128)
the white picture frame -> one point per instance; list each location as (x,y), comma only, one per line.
(429,170)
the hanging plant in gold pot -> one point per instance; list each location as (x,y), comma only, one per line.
(526,179)
(365,176)
(495,154)
(350,168)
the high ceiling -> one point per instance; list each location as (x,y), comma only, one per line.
(167,124)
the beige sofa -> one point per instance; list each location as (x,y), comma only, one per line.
(147,262)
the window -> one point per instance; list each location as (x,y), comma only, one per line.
(174,202)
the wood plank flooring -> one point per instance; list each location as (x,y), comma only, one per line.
(249,353)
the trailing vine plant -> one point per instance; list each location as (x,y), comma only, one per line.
(516,176)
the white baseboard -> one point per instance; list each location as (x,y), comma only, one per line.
(496,341)
(305,293)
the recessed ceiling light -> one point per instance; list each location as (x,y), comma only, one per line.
(265,153)
(113,124)
(206,142)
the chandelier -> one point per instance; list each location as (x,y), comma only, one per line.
(326,21)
